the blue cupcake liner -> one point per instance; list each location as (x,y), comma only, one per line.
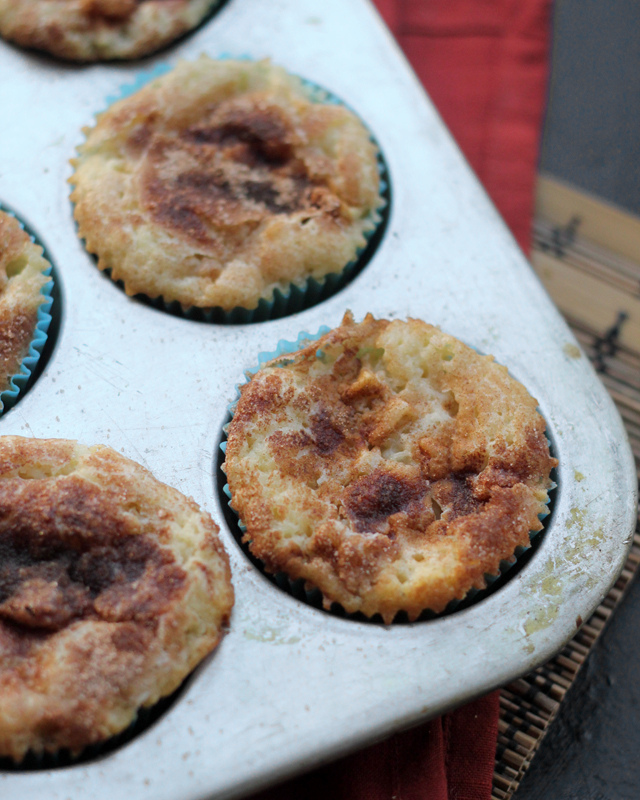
(18,382)
(294,297)
(313,597)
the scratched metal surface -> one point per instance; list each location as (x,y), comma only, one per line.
(291,686)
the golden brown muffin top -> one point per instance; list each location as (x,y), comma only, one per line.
(222,181)
(113,587)
(389,465)
(21,281)
(97,30)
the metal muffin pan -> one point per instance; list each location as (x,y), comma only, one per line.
(291,686)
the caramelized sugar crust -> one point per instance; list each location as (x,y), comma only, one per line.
(221,181)
(113,587)
(387,464)
(96,30)
(21,281)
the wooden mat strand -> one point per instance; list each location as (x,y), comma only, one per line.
(570,242)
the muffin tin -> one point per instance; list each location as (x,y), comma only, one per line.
(292,686)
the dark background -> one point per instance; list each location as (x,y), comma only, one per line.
(592,133)
(592,140)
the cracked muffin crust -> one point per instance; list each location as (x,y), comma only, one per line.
(387,464)
(98,30)
(113,587)
(221,181)
(22,277)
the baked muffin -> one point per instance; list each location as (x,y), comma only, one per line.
(388,465)
(98,30)
(113,587)
(222,181)
(22,278)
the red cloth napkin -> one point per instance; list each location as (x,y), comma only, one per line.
(485,66)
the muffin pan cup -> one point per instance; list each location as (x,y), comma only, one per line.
(312,595)
(297,296)
(64,758)
(18,382)
(291,686)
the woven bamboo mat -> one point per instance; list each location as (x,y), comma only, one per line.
(584,254)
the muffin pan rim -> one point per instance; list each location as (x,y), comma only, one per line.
(275,697)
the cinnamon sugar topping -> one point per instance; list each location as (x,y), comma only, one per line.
(401,468)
